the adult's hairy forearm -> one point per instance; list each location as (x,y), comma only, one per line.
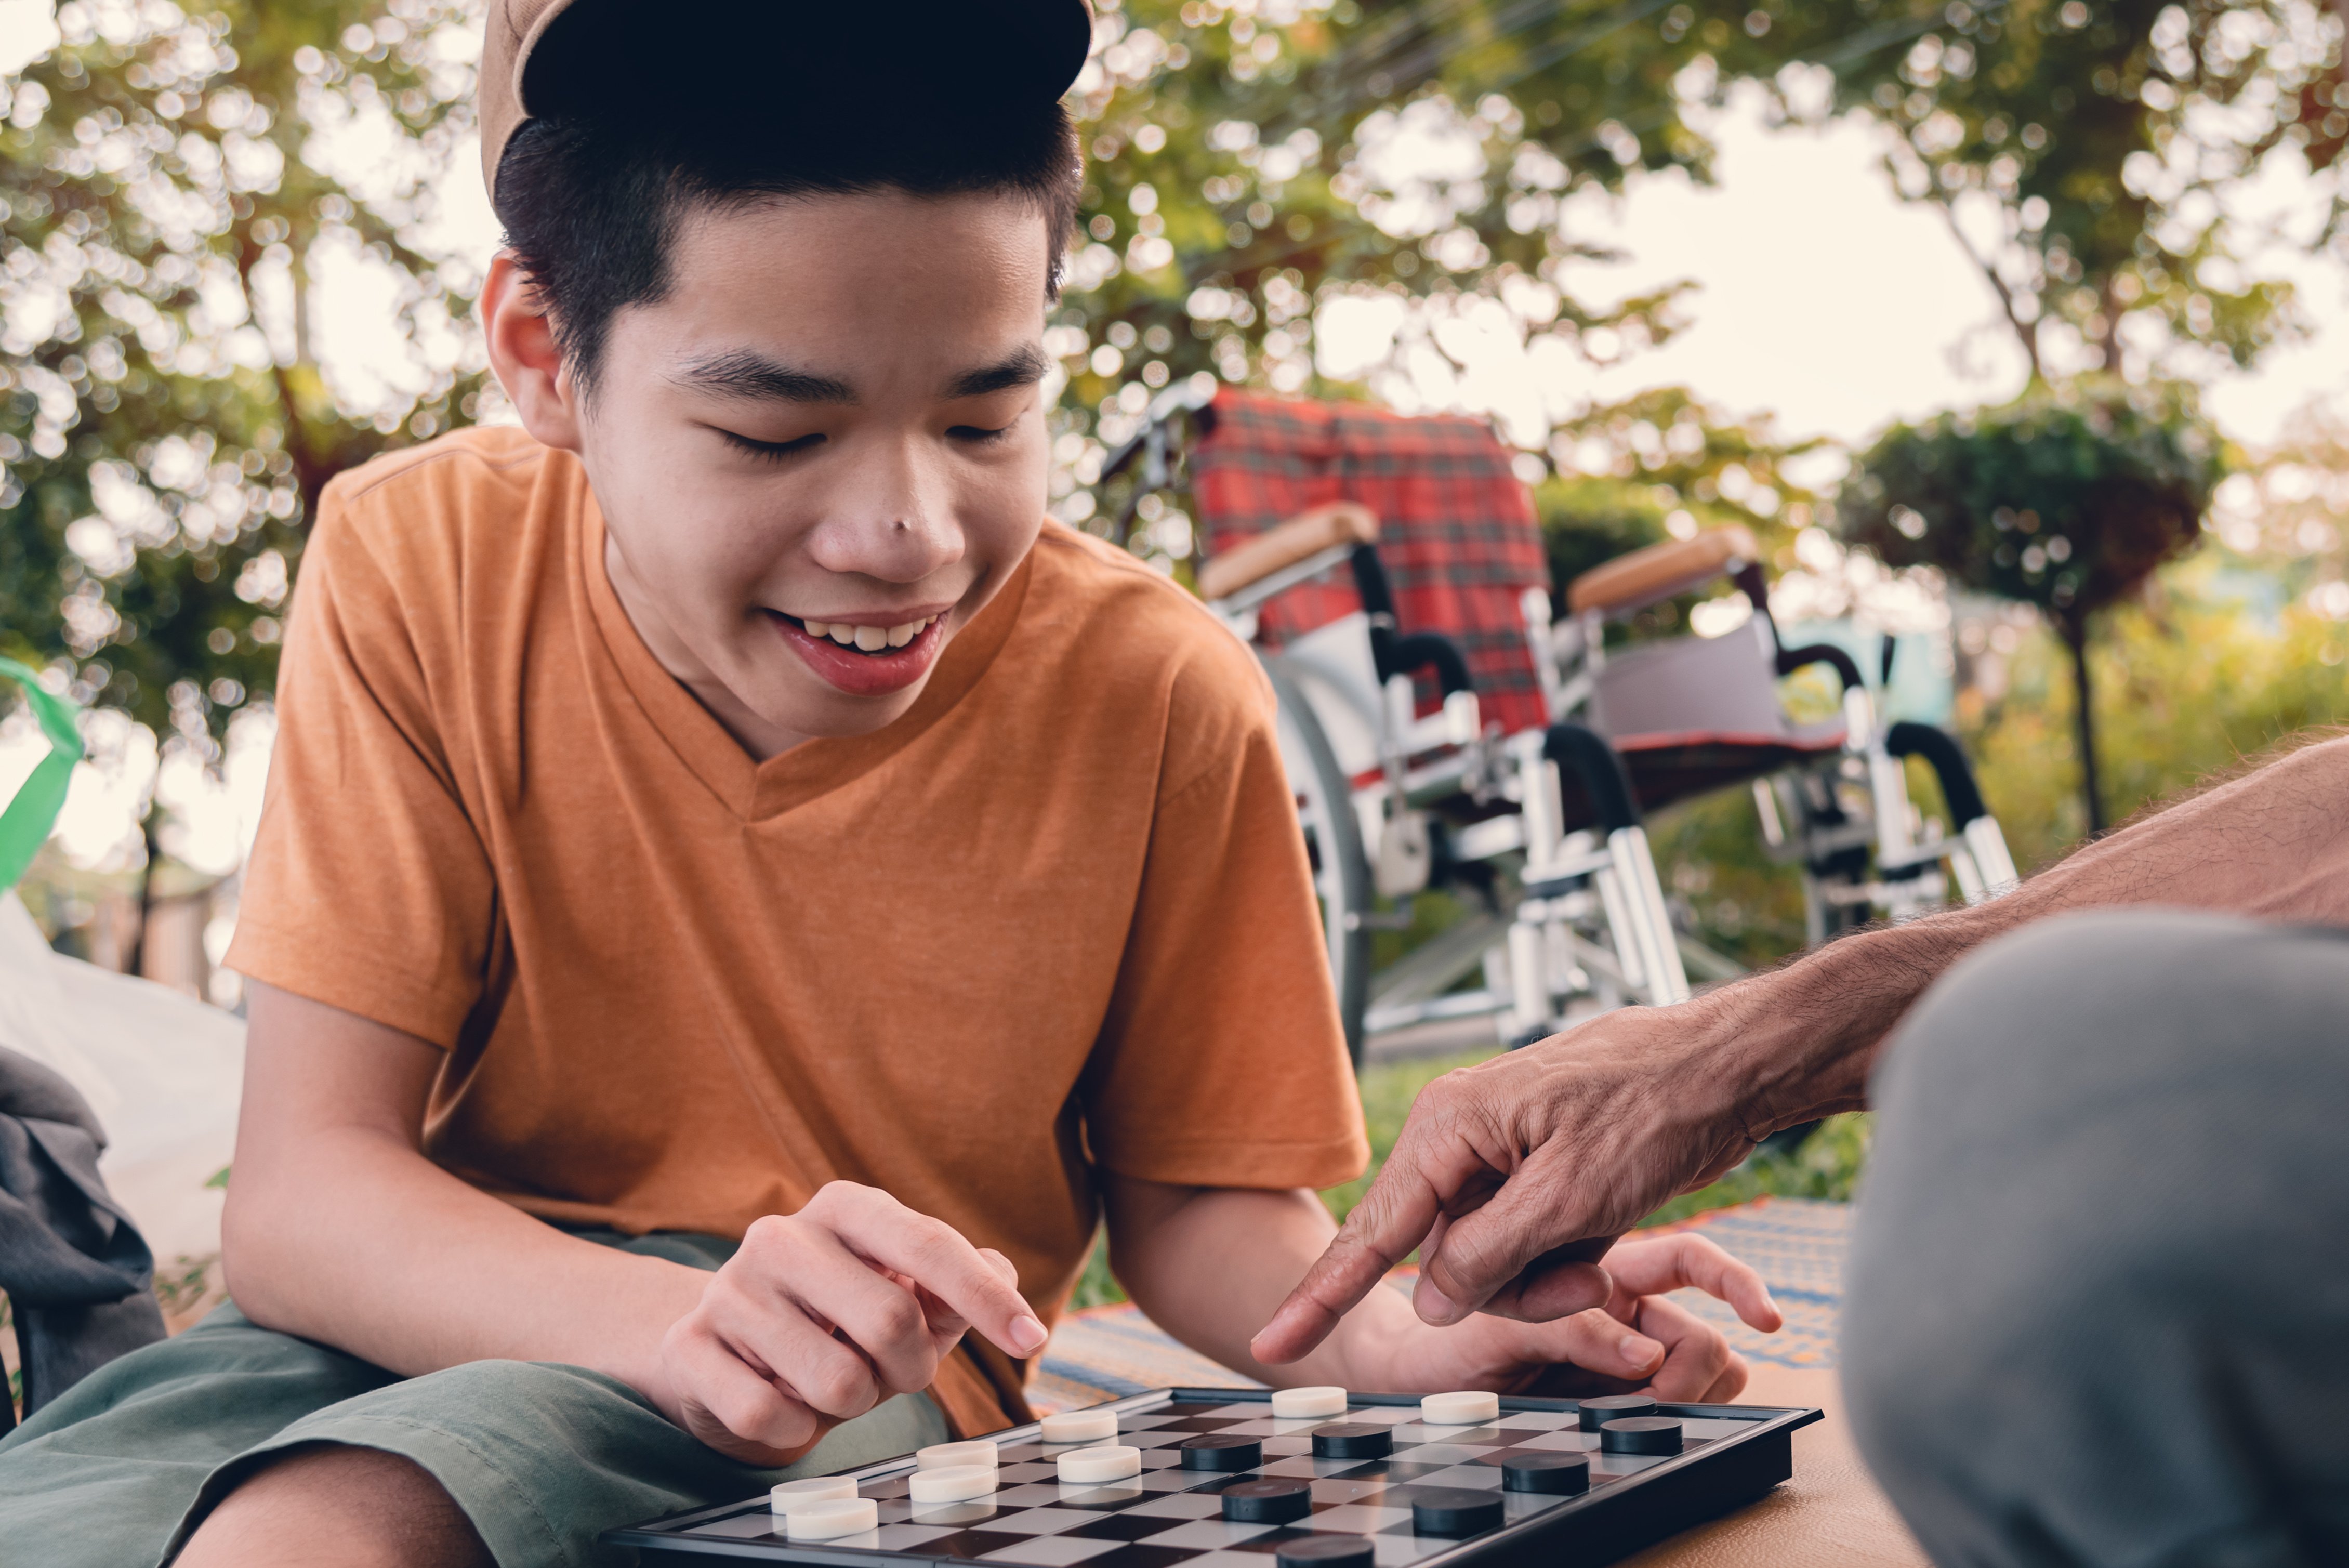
(2273,845)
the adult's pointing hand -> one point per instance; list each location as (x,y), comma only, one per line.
(1514,1177)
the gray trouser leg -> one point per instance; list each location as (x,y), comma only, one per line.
(2098,1310)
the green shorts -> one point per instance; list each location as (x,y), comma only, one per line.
(542,1456)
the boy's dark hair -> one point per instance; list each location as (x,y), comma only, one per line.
(592,204)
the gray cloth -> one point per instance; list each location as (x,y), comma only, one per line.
(2097,1307)
(75,1270)
(541,1457)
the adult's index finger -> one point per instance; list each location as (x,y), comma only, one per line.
(1392,1218)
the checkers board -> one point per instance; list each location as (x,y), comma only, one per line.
(1174,1515)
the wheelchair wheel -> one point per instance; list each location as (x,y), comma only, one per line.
(1333,840)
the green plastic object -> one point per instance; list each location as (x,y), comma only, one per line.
(26,824)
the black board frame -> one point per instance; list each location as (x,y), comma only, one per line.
(1598,1527)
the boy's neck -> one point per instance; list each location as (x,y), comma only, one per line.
(760,737)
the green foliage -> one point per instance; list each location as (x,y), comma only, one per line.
(2197,684)
(2065,500)
(165,423)
(1825,1165)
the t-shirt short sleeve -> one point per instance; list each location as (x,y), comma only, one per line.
(1222,1062)
(368,888)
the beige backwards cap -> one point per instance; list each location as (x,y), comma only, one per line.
(555,56)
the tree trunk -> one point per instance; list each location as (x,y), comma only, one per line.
(2074,631)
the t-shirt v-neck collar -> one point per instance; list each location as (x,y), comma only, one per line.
(749,788)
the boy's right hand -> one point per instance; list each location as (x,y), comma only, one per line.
(824,1314)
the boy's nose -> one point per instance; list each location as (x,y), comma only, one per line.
(899,525)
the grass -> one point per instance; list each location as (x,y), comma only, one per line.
(1825,1166)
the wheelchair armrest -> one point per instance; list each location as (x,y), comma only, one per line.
(1425,650)
(1645,577)
(1793,659)
(1339,526)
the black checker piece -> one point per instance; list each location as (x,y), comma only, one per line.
(1560,1475)
(1267,1501)
(1353,1440)
(1453,1510)
(1596,1413)
(1641,1434)
(1215,1452)
(1325,1552)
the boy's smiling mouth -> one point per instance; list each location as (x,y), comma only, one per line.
(865,659)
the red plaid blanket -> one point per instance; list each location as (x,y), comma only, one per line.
(1456,527)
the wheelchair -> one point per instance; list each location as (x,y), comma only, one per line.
(1405,785)
(1692,714)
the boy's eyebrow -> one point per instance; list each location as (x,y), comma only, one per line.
(742,373)
(1023,366)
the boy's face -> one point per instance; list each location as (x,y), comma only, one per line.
(824,452)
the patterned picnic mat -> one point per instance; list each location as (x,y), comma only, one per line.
(1797,1245)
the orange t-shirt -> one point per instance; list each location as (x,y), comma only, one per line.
(1056,917)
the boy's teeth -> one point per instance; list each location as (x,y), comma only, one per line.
(868,639)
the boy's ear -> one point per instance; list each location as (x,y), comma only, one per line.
(525,357)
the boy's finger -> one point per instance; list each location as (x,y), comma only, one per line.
(1695,1355)
(805,1361)
(1595,1342)
(884,1319)
(930,1251)
(736,1398)
(1672,1262)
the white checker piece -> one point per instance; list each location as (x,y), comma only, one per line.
(1206,1534)
(1051,1551)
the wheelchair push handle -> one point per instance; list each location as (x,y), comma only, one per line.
(1650,575)
(1340,525)
(1943,753)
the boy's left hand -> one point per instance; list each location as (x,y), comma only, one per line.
(1637,1341)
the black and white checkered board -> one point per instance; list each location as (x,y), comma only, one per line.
(1170,1516)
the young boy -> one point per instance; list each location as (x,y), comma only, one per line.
(721,811)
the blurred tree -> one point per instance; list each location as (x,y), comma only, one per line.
(1260,163)
(175,186)
(2066,501)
